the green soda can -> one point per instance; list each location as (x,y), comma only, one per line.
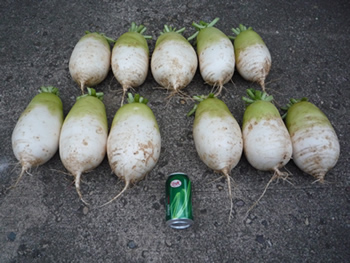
(178,201)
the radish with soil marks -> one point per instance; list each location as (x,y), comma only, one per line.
(315,143)
(134,142)
(90,60)
(215,54)
(217,136)
(266,141)
(253,59)
(36,134)
(174,61)
(130,58)
(84,136)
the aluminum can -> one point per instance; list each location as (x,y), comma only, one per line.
(178,201)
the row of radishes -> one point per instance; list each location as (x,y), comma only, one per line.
(174,61)
(268,143)
(133,143)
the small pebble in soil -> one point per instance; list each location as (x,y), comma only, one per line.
(260,239)
(131,244)
(85,210)
(240,203)
(11,236)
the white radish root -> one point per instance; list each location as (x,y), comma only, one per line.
(267,144)
(174,61)
(90,60)
(84,136)
(218,138)
(134,142)
(253,58)
(316,147)
(215,54)
(36,134)
(130,58)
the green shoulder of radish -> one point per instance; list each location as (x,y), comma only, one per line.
(215,54)
(134,142)
(217,136)
(130,58)
(83,136)
(36,134)
(174,61)
(253,59)
(316,147)
(90,60)
(266,141)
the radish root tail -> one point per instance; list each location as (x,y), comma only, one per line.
(177,92)
(277,175)
(124,92)
(263,193)
(77,187)
(127,183)
(125,89)
(25,169)
(261,82)
(82,85)
(228,178)
(262,78)
(219,89)
(320,179)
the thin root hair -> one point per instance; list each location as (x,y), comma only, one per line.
(62,172)
(127,183)
(274,91)
(216,179)
(262,85)
(16,164)
(217,89)
(277,175)
(233,83)
(272,81)
(82,87)
(125,89)
(177,92)
(223,176)
(228,178)
(261,196)
(24,170)
(77,187)
(322,181)
(283,175)
(109,86)
(160,88)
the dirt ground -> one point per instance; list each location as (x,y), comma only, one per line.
(42,219)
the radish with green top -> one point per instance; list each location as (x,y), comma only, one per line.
(130,58)
(253,59)
(267,144)
(90,60)
(316,147)
(266,141)
(215,54)
(84,136)
(134,142)
(36,134)
(217,136)
(174,61)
